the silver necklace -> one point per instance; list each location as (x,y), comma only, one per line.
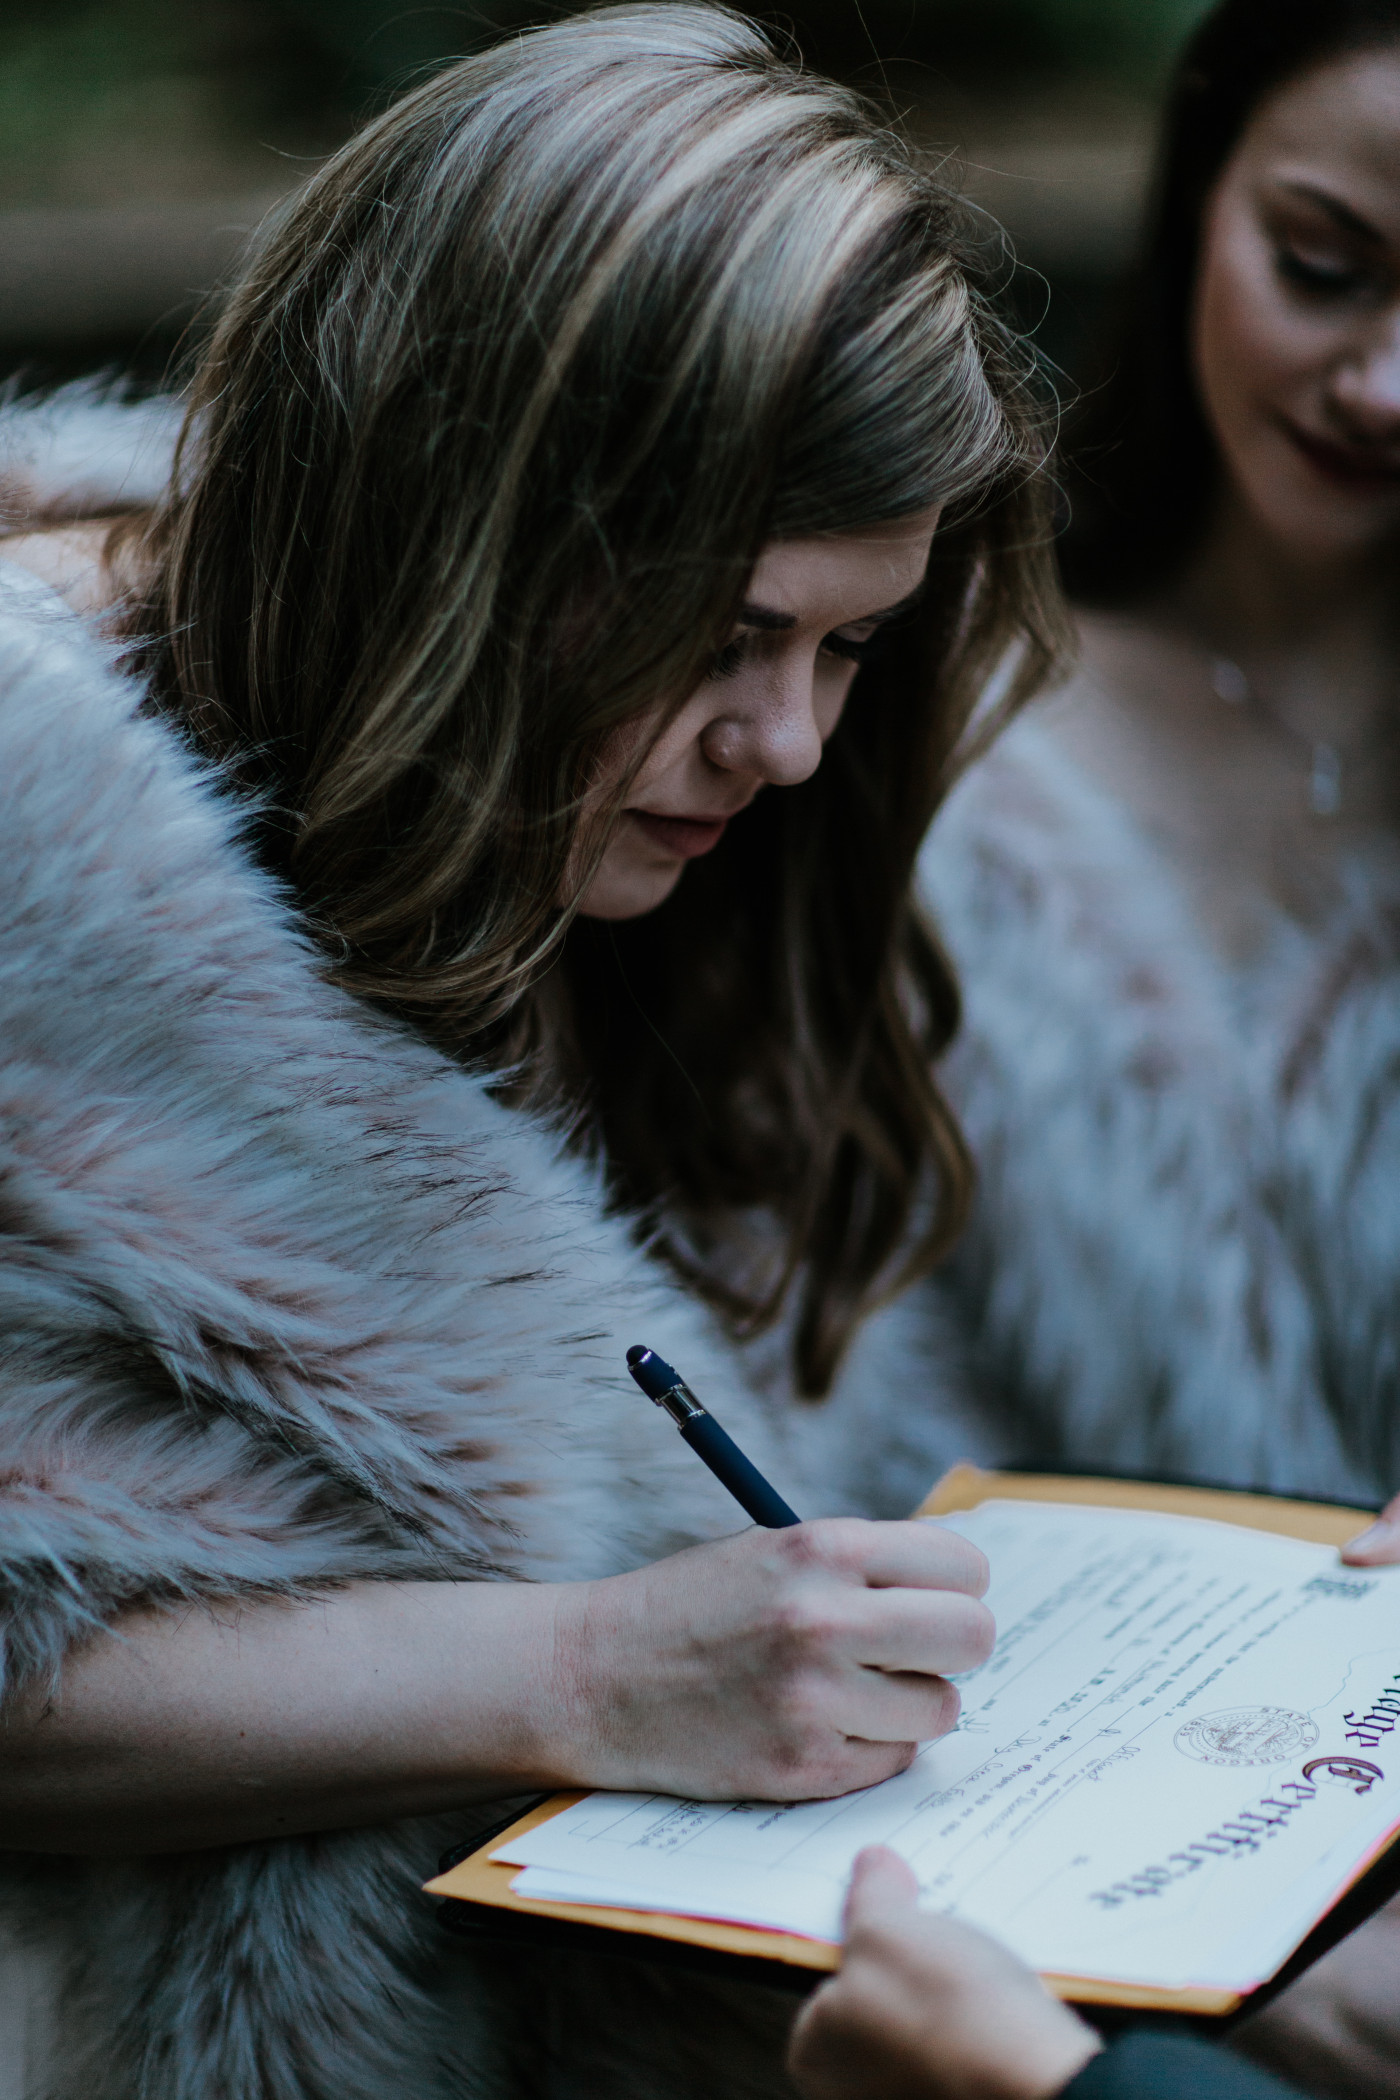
(1326,761)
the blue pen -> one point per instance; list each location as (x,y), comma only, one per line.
(708,1441)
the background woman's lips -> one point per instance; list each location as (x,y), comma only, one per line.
(1347,467)
(686,837)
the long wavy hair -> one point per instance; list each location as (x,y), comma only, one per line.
(1142,465)
(485,442)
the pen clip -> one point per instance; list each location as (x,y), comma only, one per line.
(679,1402)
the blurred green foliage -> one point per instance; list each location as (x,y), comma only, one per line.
(160,78)
(1130,41)
(65,69)
(1127,41)
(216,78)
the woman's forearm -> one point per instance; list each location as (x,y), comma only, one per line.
(785,1664)
(209,1727)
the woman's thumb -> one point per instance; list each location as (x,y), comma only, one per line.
(1379,1544)
(882,1889)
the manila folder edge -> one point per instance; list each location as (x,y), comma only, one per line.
(482,1879)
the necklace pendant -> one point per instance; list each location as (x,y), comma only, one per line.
(1228,682)
(1325,781)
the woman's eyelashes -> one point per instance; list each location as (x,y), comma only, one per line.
(1323,277)
(849,648)
(726,661)
(852,649)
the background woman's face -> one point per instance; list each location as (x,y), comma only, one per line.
(762,716)
(1297,317)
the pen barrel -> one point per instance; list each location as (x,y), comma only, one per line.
(729,1466)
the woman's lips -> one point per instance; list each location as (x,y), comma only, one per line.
(1347,466)
(685,837)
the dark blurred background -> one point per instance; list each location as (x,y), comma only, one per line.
(141,139)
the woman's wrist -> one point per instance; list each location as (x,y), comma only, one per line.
(557,1691)
(592,1678)
(1042,2062)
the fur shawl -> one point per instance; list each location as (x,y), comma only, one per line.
(1185,1252)
(286,1298)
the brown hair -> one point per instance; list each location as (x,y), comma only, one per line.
(481,453)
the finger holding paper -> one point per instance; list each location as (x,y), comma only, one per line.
(1379,1545)
(927,2009)
(923,2007)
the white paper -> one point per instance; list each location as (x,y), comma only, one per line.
(1184,1743)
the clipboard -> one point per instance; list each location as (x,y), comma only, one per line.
(480,1904)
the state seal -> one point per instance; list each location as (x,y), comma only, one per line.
(1246,1735)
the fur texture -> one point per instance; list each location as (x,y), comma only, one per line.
(1186,1243)
(286,1298)
(84,449)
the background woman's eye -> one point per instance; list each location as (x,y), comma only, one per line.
(1336,278)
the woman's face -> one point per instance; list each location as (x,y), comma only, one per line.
(762,716)
(1297,316)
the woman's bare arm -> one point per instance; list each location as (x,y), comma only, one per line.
(782,1664)
(211,1726)
(70,559)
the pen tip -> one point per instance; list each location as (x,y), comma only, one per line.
(636,1353)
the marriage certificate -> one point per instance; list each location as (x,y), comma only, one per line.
(1182,1747)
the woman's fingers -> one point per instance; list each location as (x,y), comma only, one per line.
(891,1709)
(1379,1545)
(897,1597)
(883,1891)
(938,1632)
(1376,1547)
(851,1764)
(917,1554)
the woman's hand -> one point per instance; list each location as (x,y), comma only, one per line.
(786,1664)
(1378,1546)
(924,2007)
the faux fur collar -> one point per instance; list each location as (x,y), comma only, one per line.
(85,449)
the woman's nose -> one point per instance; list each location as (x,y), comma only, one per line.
(770,727)
(1366,388)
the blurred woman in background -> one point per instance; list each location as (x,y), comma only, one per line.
(1173,891)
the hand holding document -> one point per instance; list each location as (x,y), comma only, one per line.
(927,2007)
(1179,1751)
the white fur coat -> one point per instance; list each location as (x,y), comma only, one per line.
(285,1297)
(1185,1255)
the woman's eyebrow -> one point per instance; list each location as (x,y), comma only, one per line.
(1341,214)
(772,621)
